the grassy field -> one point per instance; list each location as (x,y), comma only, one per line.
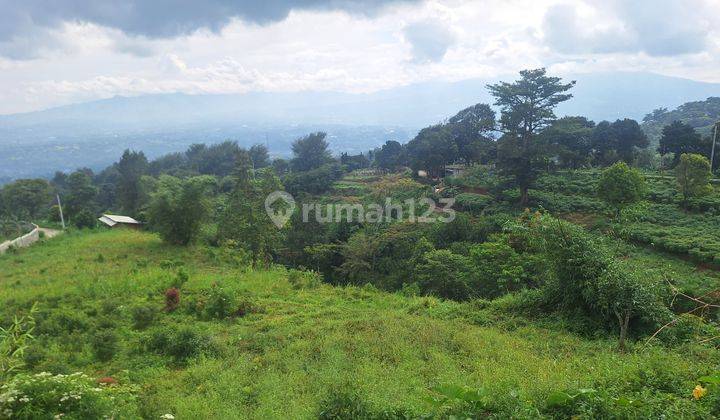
(288,350)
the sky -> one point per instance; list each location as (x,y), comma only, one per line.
(68,51)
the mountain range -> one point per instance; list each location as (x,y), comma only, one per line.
(95,133)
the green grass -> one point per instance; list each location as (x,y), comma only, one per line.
(298,348)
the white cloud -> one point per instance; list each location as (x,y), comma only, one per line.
(411,42)
(430,39)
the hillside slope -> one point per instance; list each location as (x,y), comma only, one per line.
(298,351)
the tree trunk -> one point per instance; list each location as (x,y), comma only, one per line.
(624,323)
(524,197)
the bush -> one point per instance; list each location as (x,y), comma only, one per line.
(498,269)
(143,316)
(46,396)
(180,344)
(220,303)
(473,202)
(301,279)
(179,206)
(693,176)
(586,277)
(620,186)
(172,299)
(63,321)
(180,279)
(444,274)
(104,345)
(84,219)
(347,405)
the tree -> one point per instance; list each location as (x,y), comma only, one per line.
(572,138)
(315,181)
(444,274)
(84,219)
(259,156)
(431,150)
(179,207)
(310,152)
(471,129)
(244,220)
(81,194)
(527,106)
(586,277)
(628,136)
(354,162)
(621,186)
(603,144)
(389,156)
(693,176)
(498,269)
(280,166)
(217,159)
(679,138)
(359,256)
(131,168)
(26,198)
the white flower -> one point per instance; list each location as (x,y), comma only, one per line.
(167,417)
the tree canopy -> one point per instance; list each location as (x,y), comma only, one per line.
(527,106)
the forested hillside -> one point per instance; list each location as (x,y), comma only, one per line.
(701,115)
(501,265)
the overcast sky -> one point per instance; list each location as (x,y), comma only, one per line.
(66,51)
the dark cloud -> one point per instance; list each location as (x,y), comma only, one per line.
(21,20)
(430,40)
(655,27)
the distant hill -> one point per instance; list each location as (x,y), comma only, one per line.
(95,133)
(701,115)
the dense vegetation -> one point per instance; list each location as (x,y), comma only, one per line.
(278,343)
(574,248)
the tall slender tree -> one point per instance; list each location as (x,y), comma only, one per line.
(131,167)
(527,106)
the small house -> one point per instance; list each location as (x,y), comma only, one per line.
(114,221)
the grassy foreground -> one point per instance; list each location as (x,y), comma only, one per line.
(297,352)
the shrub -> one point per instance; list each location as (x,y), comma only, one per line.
(586,277)
(444,274)
(46,396)
(688,328)
(693,176)
(180,279)
(179,206)
(14,340)
(621,186)
(498,269)
(347,405)
(172,299)
(180,344)
(84,219)
(63,321)
(143,316)
(473,202)
(220,303)
(104,345)
(301,279)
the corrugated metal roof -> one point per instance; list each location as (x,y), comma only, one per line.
(107,221)
(120,219)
